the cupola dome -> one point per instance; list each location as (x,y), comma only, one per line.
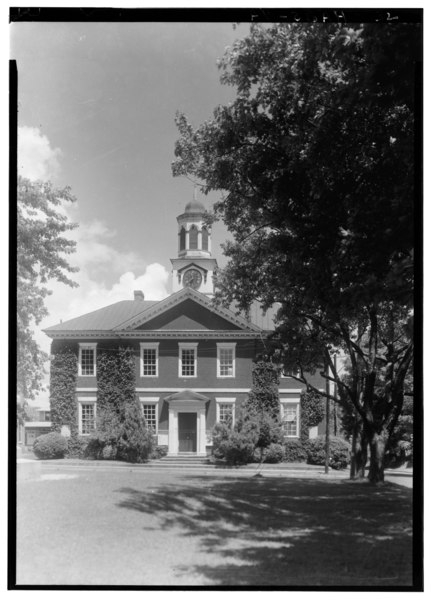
(194,206)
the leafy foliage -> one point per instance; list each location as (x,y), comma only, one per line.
(63,374)
(274,453)
(264,396)
(315,160)
(50,445)
(339,452)
(42,255)
(121,432)
(294,451)
(312,411)
(76,447)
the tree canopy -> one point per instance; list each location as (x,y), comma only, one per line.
(315,161)
(42,255)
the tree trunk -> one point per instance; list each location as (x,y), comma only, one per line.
(378,442)
(359,452)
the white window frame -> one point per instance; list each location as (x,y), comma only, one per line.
(226,346)
(293,402)
(81,401)
(283,376)
(82,346)
(220,401)
(187,346)
(149,346)
(152,401)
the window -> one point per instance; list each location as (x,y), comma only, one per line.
(225,360)
(87,360)
(150,412)
(182,239)
(289,418)
(187,360)
(193,238)
(204,238)
(226,411)
(149,360)
(87,416)
(293,372)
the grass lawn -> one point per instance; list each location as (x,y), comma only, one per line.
(98,526)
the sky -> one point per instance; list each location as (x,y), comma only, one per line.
(96,110)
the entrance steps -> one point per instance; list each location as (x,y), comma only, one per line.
(182,460)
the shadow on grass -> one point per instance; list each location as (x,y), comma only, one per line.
(279,532)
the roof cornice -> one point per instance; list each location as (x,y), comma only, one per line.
(158,334)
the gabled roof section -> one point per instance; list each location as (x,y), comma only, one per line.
(174,300)
(105,319)
(186,395)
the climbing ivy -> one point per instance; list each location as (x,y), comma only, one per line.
(264,396)
(115,379)
(64,371)
(312,407)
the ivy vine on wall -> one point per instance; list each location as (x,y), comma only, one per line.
(115,379)
(264,395)
(64,371)
(312,406)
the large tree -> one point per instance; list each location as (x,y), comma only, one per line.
(42,255)
(315,159)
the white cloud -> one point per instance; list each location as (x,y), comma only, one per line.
(36,158)
(106,274)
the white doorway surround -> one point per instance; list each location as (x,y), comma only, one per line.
(187,401)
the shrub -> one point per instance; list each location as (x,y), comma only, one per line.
(159,452)
(274,453)
(50,445)
(76,447)
(294,451)
(339,452)
(238,448)
(121,437)
(220,433)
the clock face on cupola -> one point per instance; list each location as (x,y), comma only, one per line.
(192,278)
(194,266)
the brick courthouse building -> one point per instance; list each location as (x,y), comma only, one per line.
(193,361)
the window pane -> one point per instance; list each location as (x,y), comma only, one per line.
(87,418)
(150,416)
(193,238)
(182,239)
(226,362)
(204,239)
(149,358)
(290,419)
(188,362)
(87,361)
(226,413)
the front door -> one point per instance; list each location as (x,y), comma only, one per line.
(187,432)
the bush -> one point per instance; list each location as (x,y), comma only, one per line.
(50,445)
(274,453)
(76,447)
(159,452)
(220,433)
(237,449)
(121,437)
(339,452)
(294,451)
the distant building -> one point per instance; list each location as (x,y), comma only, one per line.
(193,360)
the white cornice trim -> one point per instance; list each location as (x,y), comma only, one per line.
(221,390)
(158,334)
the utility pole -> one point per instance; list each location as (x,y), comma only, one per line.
(328,413)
